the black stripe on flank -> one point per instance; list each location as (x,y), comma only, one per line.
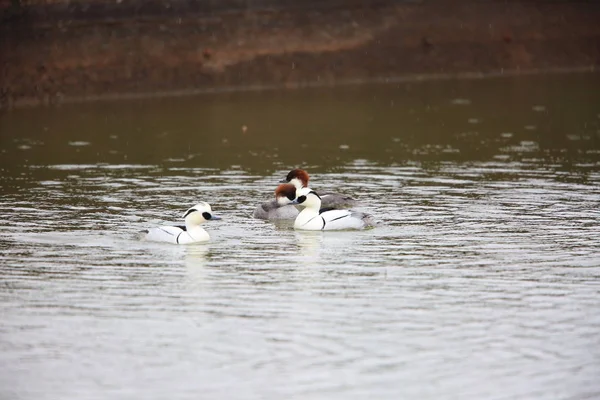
(177,238)
(307,222)
(165,231)
(322,219)
(335,219)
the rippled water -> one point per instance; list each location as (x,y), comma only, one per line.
(481,282)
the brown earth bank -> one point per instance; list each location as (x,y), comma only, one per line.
(55,50)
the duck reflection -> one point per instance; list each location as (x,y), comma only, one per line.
(318,244)
(310,243)
(196,257)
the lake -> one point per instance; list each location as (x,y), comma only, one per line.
(482,280)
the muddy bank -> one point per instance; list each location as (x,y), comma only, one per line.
(59,51)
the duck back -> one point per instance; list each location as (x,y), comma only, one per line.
(337,200)
(272,210)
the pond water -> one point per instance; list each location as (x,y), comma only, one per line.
(482,281)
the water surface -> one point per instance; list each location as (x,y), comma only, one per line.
(481,282)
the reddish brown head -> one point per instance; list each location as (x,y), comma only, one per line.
(285,193)
(298,177)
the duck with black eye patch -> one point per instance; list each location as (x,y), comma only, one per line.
(311,219)
(329,200)
(273,210)
(191,232)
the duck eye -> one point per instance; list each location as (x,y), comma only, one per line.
(301,199)
(206,215)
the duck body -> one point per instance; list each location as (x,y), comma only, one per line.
(177,235)
(314,218)
(336,200)
(332,220)
(191,232)
(276,210)
(272,210)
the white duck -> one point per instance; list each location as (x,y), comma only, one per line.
(192,232)
(312,220)
(273,210)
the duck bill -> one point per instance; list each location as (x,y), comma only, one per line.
(214,217)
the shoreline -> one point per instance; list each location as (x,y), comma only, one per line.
(90,50)
(33,103)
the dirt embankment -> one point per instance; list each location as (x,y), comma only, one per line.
(53,51)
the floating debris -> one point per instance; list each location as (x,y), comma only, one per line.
(79,143)
(528,143)
(461,102)
(539,108)
(344,146)
(530,127)
(473,120)
(467,134)
(506,135)
(450,149)
(525,146)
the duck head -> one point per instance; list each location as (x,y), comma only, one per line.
(285,194)
(199,214)
(297,177)
(308,199)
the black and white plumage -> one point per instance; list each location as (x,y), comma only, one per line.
(274,210)
(191,232)
(313,218)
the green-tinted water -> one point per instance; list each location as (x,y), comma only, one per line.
(481,282)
